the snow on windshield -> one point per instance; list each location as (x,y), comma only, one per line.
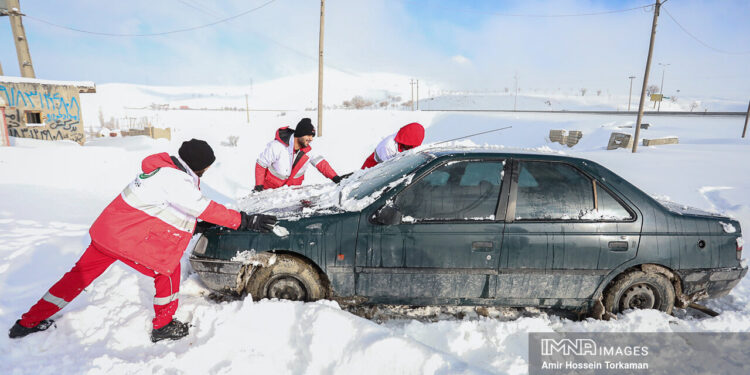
(354,193)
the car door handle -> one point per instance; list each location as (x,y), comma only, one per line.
(618,245)
(482,246)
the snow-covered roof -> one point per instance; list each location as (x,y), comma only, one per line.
(468,147)
(83,86)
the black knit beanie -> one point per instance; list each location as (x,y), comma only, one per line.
(304,127)
(197,154)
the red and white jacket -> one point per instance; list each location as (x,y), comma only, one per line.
(409,135)
(153,219)
(280,165)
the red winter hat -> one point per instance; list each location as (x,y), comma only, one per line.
(410,135)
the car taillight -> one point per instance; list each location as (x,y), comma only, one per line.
(740,243)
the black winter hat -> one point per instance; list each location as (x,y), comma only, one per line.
(197,154)
(304,127)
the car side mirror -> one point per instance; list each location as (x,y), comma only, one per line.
(387,215)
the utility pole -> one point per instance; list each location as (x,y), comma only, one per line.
(661,87)
(247,108)
(1,69)
(630,96)
(515,99)
(417,95)
(13,11)
(411,83)
(320,70)
(746,117)
(657,5)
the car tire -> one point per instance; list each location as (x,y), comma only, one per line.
(288,278)
(639,290)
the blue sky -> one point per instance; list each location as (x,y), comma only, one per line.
(464,45)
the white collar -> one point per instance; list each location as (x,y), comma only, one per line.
(196,179)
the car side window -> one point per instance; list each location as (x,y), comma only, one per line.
(553,191)
(457,190)
(608,208)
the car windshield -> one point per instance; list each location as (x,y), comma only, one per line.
(376,178)
(353,193)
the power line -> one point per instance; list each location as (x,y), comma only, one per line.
(207,11)
(210,12)
(544,15)
(153,34)
(200,9)
(700,41)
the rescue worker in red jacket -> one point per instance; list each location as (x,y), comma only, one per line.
(148,226)
(408,137)
(284,160)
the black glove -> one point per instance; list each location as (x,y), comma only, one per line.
(336,179)
(202,226)
(258,222)
(346,175)
(258,188)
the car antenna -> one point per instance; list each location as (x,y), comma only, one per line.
(471,135)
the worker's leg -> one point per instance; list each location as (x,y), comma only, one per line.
(167,286)
(91,264)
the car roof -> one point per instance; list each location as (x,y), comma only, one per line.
(539,154)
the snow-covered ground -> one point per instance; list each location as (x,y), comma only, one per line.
(50,192)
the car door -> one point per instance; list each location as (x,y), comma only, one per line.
(563,234)
(448,241)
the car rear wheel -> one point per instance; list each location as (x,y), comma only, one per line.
(639,290)
(287,278)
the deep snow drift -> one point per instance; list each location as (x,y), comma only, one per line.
(52,192)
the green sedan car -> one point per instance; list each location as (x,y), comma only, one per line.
(478,227)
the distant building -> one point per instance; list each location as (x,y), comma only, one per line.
(43,109)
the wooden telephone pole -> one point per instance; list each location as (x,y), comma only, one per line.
(630,96)
(12,9)
(320,70)
(417,95)
(747,116)
(411,83)
(657,5)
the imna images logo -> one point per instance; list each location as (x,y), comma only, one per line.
(568,346)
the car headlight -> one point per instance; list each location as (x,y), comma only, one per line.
(200,246)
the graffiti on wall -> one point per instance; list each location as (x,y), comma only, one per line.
(61,115)
(57,130)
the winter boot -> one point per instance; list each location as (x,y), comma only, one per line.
(175,330)
(18,331)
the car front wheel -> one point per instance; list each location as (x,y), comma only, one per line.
(639,290)
(287,278)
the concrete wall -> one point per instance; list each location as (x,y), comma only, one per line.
(149,131)
(58,106)
(564,137)
(661,141)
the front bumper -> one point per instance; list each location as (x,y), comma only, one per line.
(218,275)
(711,282)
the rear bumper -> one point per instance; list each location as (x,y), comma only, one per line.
(711,282)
